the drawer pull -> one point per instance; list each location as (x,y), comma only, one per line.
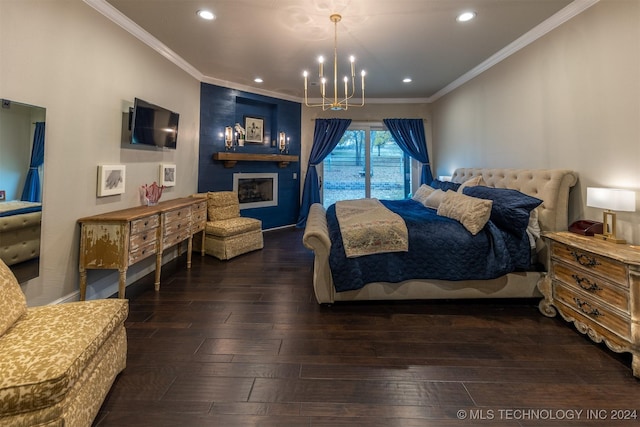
(586,308)
(586,284)
(144,237)
(585,260)
(146,223)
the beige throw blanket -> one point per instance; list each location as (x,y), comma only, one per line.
(368,227)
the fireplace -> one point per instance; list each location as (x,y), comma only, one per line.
(256,190)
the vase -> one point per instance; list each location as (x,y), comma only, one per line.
(241,143)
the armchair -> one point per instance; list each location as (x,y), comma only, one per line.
(227,234)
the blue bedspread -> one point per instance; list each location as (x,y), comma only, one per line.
(439,248)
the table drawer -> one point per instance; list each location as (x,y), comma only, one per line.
(175,238)
(604,267)
(198,219)
(177,215)
(200,206)
(142,239)
(146,223)
(142,252)
(593,285)
(177,226)
(591,309)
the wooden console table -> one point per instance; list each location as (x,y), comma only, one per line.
(118,239)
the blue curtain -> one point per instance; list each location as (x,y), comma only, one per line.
(326,136)
(409,135)
(31,192)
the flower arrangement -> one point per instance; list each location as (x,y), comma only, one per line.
(150,194)
(240,131)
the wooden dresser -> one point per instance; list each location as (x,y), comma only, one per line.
(115,240)
(596,285)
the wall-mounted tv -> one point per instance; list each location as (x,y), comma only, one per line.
(153,125)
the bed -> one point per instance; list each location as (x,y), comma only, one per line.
(19,231)
(551,186)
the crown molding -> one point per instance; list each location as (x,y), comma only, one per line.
(134,29)
(574,8)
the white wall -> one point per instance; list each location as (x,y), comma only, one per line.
(85,70)
(16,138)
(569,100)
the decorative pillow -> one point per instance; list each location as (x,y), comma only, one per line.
(12,301)
(511,209)
(444,185)
(434,199)
(475,181)
(422,193)
(471,212)
(533,229)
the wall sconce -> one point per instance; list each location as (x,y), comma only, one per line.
(282,141)
(228,137)
(611,199)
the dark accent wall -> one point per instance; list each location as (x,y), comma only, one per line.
(220,107)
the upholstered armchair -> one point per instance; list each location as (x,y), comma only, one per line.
(227,234)
(57,362)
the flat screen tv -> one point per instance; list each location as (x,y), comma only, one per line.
(153,125)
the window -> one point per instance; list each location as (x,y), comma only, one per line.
(367,162)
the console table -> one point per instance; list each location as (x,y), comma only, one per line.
(115,240)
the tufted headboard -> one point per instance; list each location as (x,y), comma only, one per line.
(550,185)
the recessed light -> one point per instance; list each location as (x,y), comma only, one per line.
(258,80)
(466,16)
(407,80)
(206,14)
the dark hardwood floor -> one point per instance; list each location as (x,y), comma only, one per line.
(243,343)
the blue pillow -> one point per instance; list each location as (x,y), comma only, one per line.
(444,185)
(511,209)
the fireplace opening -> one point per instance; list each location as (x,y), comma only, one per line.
(256,190)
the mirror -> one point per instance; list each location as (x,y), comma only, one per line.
(21,178)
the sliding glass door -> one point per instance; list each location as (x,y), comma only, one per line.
(367,162)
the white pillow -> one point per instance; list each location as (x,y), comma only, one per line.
(422,193)
(476,180)
(434,199)
(533,229)
(471,212)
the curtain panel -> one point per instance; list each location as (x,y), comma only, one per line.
(31,191)
(326,136)
(410,137)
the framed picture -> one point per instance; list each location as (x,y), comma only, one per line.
(3,195)
(167,175)
(254,128)
(110,180)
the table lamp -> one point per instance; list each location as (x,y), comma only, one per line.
(611,199)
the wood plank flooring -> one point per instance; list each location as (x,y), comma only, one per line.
(243,343)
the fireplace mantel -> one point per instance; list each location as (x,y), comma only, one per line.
(231,158)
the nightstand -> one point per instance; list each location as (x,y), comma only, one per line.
(596,285)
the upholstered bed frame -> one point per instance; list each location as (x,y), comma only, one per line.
(551,186)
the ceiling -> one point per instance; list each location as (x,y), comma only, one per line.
(278,39)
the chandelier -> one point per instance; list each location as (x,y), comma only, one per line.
(349,90)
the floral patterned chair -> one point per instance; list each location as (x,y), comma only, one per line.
(57,362)
(227,234)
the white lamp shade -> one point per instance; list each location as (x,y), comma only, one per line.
(612,199)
